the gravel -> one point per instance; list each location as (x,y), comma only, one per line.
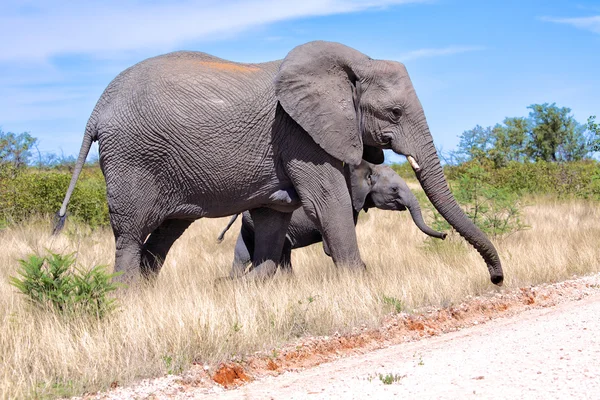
(529,343)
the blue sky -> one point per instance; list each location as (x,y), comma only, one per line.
(472,62)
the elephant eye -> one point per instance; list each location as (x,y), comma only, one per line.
(396,113)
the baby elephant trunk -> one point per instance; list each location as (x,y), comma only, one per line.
(415,212)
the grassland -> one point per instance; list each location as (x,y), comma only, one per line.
(185,317)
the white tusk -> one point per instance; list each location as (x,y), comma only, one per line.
(413,163)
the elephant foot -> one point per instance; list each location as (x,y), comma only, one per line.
(239,270)
(128,277)
(150,267)
(286,270)
(252,275)
(358,266)
(132,282)
(264,270)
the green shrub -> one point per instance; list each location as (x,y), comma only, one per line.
(394,304)
(580,179)
(50,283)
(495,210)
(388,379)
(35,191)
(404,170)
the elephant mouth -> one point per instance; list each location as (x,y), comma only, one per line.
(368,203)
(390,205)
(399,206)
(386,139)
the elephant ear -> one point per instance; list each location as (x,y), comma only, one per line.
(316,86)
(360,184)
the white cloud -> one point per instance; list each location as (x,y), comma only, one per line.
(37,30)
(587,23)
(437,52)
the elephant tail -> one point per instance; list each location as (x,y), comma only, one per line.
(89,137)
(231,221)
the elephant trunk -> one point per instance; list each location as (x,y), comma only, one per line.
(431,176)
(415,213)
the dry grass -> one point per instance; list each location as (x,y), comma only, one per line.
(186,318)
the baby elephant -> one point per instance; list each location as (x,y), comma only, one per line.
(370,185)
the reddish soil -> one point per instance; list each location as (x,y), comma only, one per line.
(229,375)
(311,351)
(399,328)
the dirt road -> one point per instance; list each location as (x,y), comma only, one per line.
(539,342)
(538,354)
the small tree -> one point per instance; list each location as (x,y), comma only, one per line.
(555,134)
(475,144)
(549,134)
(495,210)
(15,150)
(510,140)
(594,129)
(501,144)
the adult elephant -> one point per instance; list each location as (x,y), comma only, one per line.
(370,186)
(188,135)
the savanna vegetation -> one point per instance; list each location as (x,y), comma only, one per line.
(530,183)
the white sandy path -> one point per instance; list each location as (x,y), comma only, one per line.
(538,354)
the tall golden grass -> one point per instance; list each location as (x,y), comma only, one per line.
(187,318)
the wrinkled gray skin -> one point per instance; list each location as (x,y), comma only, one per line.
(370,186)
(187,135)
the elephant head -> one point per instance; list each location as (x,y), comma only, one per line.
(354,106)
(379,186)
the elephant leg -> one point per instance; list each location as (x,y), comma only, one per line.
(286,257)
(323,189)
(158,244)
(339,234)
(270,227)
(244,249)
(127,257)
(133,216)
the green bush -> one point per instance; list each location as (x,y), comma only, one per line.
(491,196)
(34,191)
(494,209)
(50,283)
(580,179)
(394,304)
(404,170)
